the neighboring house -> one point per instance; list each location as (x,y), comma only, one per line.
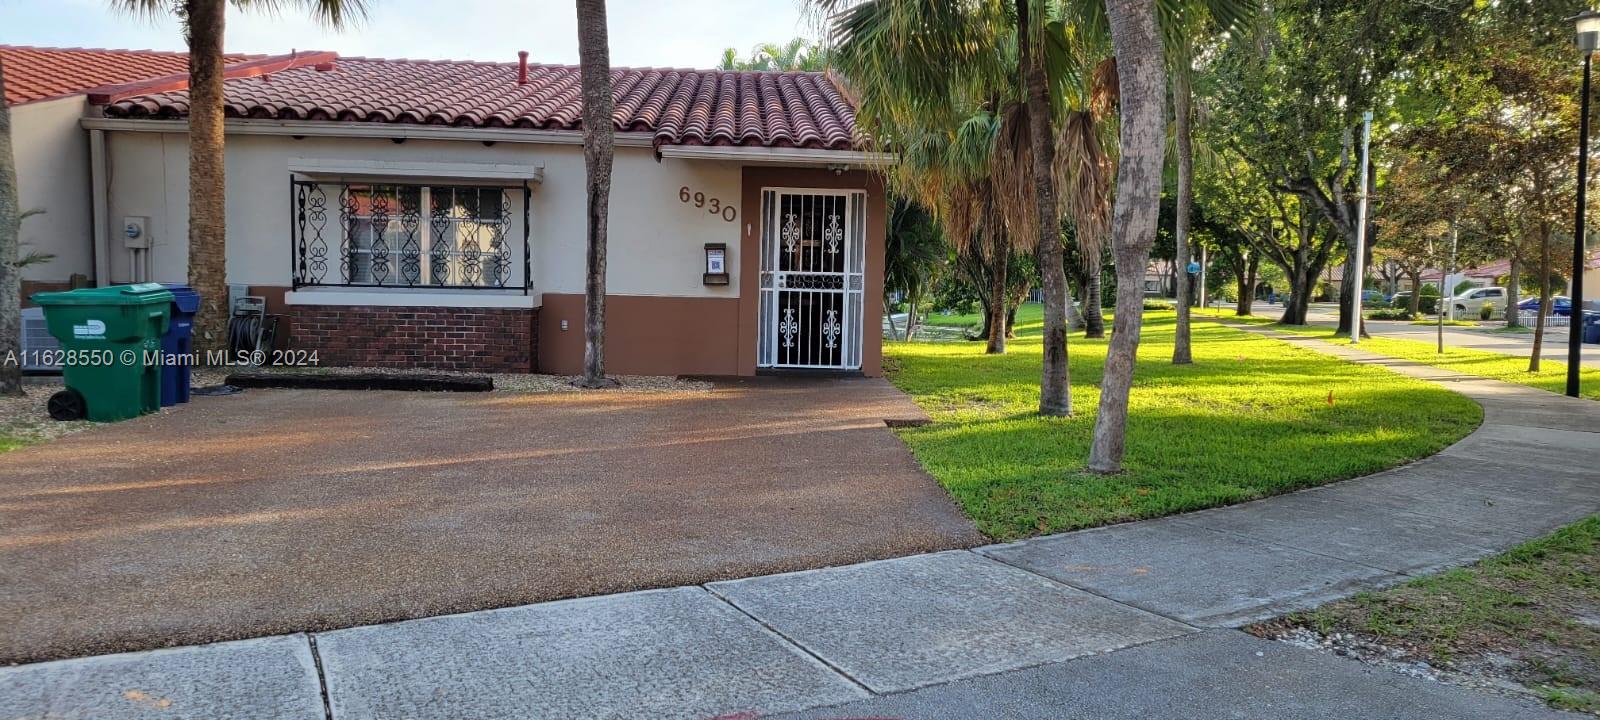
(1591,281)
(48,92)
(1158,279)
(432,214)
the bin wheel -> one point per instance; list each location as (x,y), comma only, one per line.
(67,405)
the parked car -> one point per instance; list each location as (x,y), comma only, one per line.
(1470,303)
(1429,303)
(1373,298)
(1559,305)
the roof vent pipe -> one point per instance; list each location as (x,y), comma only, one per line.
(522,67)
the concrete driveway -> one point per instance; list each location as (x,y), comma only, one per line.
(285,510)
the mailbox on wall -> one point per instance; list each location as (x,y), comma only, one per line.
(716,264)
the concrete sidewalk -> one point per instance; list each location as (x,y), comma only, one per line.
(1122,621)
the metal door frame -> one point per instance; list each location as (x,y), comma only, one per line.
(772,281)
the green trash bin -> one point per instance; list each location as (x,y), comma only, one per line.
(108,339)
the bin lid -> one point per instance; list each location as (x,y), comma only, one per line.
(138,294)
(183,296)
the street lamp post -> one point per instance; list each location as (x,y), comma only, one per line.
(1588,38)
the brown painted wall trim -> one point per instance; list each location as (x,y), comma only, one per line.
(756,178)
(645,335)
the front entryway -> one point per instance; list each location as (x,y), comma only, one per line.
(812,260)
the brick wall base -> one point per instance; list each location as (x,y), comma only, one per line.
(434,338)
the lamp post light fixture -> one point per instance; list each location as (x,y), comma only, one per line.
(1588,39)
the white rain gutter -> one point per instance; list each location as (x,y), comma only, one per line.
(391,131)
(401,131)
(778,156)
(99,196)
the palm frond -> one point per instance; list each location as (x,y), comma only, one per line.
(1083,171)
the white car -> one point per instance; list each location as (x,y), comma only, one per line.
(1469,304)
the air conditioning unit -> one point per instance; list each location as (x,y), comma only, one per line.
(37,342)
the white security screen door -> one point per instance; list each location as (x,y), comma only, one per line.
(812,260)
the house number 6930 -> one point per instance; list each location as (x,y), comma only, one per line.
(712,205)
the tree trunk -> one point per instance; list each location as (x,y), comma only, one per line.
(208,250)
(1247,293)
(594,59)
(1182,115)
(888,315)
(10,273)
(1414,303)
(1055,398)
(1133,231)
(1000,256)
(1094,317)
(1544,305)
(1513,284)
(1074,318)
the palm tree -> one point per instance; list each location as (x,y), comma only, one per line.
(594,64)
(797,54)
(10,242)
(1181,25)
(1183,116)
(1142,79)
(203,26)
(913,253)
(1054,389)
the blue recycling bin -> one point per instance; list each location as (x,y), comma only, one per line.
(1591,327)
(178,343)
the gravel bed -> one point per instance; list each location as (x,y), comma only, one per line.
(24,418)
(503,382)
(1485,674)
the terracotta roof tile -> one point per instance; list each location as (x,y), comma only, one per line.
(679,107)
(39,73)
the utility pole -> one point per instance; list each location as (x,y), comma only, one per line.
(1361,229)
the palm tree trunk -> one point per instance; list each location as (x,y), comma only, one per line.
(1055,397)
(1094,317)
(1133,231)
(1182,117)
(594,59)
(10,241)
(208,249)
(1000,256)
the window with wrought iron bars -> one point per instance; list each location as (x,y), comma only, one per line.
(401,235)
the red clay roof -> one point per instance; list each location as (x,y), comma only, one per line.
(679,107)
(37,73)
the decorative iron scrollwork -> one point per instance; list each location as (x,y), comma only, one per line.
(791,233)
(830,329)
(406,235)
(788,328)
(833,235)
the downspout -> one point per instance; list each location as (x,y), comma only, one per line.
(101,251)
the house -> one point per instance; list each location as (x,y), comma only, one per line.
(47,90)
(1591,280)
(414,213)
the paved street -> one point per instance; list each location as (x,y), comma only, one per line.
(1122,621)
(1486,338)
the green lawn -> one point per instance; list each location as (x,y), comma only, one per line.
(1552,375)
(1250,418)
(1530,610)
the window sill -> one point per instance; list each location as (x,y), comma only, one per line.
(412,297)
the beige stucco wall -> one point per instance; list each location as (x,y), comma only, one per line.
(655,245)
(52,153)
